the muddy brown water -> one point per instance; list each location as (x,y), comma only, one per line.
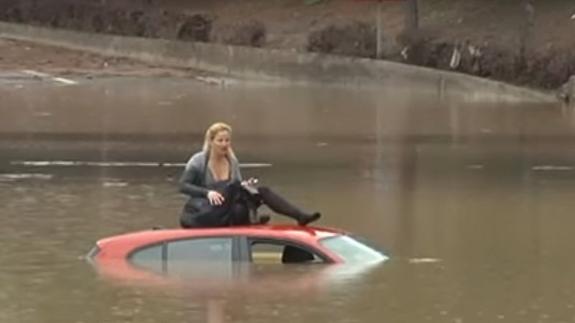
(472,200)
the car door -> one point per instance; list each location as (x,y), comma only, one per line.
(189,258)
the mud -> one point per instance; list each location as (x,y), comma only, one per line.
(546,68)
(355,39)
(102,18)
(243,33)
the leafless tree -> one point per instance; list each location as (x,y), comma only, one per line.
(526,36)
(411,15)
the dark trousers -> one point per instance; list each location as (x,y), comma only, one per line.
(238,203)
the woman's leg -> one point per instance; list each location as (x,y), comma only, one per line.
(190,211)
(209,216)
(206,217)
(239,214)
(280,205)
(188,221)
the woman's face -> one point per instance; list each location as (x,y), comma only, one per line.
(221,142)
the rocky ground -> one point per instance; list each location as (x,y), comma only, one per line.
(479,37)
(18,55)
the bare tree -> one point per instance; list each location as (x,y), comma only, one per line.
(526,36)
(379,32)
(411,15)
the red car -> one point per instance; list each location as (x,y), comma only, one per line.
(199,251)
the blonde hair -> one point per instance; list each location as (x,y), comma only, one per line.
(211,133)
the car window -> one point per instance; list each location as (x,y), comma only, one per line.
(201,250)
(278,252)
(149,258)
(200,259)
(184,255)
(352,250)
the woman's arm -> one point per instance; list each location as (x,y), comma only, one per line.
(191,180)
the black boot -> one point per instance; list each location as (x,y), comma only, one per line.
(308,218)
(264,219)
(280,205)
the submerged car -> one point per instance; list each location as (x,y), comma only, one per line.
(164,250)
(251,260)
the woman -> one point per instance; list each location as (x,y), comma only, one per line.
(218,196)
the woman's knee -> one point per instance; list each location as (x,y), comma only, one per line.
(264,190)
(239,214)
(187,221)
(232,190)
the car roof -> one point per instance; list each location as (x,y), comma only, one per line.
(293,232)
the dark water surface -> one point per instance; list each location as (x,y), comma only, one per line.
(472,199)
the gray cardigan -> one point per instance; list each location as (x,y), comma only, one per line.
(197,179)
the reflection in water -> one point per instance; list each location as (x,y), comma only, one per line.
(214,284)
(204,279)
(472,200)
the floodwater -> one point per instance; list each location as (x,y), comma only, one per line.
(471,198)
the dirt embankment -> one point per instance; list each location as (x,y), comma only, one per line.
(474,37)
(20,55)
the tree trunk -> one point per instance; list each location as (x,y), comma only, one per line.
(411,16)
(526,37)
(379,32)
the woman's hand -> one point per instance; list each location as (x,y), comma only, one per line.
(215,198)
(250,185)
(251,181)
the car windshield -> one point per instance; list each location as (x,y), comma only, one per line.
(353,249)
